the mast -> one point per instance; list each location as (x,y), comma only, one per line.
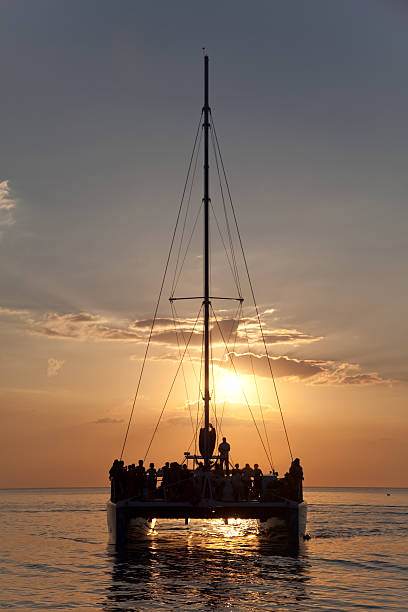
(206,201)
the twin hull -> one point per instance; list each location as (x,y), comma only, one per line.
(129,519)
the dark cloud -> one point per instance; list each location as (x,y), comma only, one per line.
(172,338)
(107,421)
(281,366)
(289,336)
(362,379)
(79,317)
(88,326)
(160,323)
(314,371)
(82,326)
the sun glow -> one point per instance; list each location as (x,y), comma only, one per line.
(231,386)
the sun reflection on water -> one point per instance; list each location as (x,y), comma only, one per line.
(207,561)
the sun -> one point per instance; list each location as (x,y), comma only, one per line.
(231,386)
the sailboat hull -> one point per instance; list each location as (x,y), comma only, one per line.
(123,527)
(133,518)
(291,527)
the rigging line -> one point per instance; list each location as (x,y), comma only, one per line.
(253,295)
(198,379)
(213,383)
(217,426)
(259,398)
(187,247)
(171,388)
(197,149)
(199,394)
(231,242)
(236,275)
(184,342)
(243,393)
(233,265)
(182,366)
(238,317)
(160,294)
(226,252)
(191,442)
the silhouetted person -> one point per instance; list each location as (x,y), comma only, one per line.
(246,480)
(218,482)
(296,478)
(224,449)
(257,476)
(175,477)
(114,477)
(140,479)
(165,478)
(131,477)
(198,479)
(186,485)
(206,441)
(151,479)
(236,483)
(285,489)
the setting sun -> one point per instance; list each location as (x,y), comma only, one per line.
(231,386)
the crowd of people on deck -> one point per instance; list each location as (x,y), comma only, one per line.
(175,482)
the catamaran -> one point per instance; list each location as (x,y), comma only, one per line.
(202,485)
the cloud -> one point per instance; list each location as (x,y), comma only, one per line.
(288,336)
(7,205)
(89,326)
(54,366)
(93,327)
(224,331)
(160,323)
(317,372)
(107,421)
(269,311)
(282,367)
(335,373)
(81,326)
(13,312)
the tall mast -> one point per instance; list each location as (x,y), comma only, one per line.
(206,201)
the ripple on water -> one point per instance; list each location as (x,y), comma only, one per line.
(54,555)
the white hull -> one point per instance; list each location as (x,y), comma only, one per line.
(137,527)
(276,528)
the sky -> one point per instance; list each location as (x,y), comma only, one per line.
(100,103)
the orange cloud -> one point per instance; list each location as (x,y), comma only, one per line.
(233,332)
(317,372)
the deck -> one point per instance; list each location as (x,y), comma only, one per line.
(206,509)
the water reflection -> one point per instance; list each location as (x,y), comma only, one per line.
(206,566)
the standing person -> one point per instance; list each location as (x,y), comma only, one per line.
(246,479)
(140,479)
(224,449)
(257,476)
(165,478)
(151,479)
(236,483)
(296,477)
(131,480)
(113,477)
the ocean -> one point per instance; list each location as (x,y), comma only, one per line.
(55,556)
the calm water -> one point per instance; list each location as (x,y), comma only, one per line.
(54,555)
